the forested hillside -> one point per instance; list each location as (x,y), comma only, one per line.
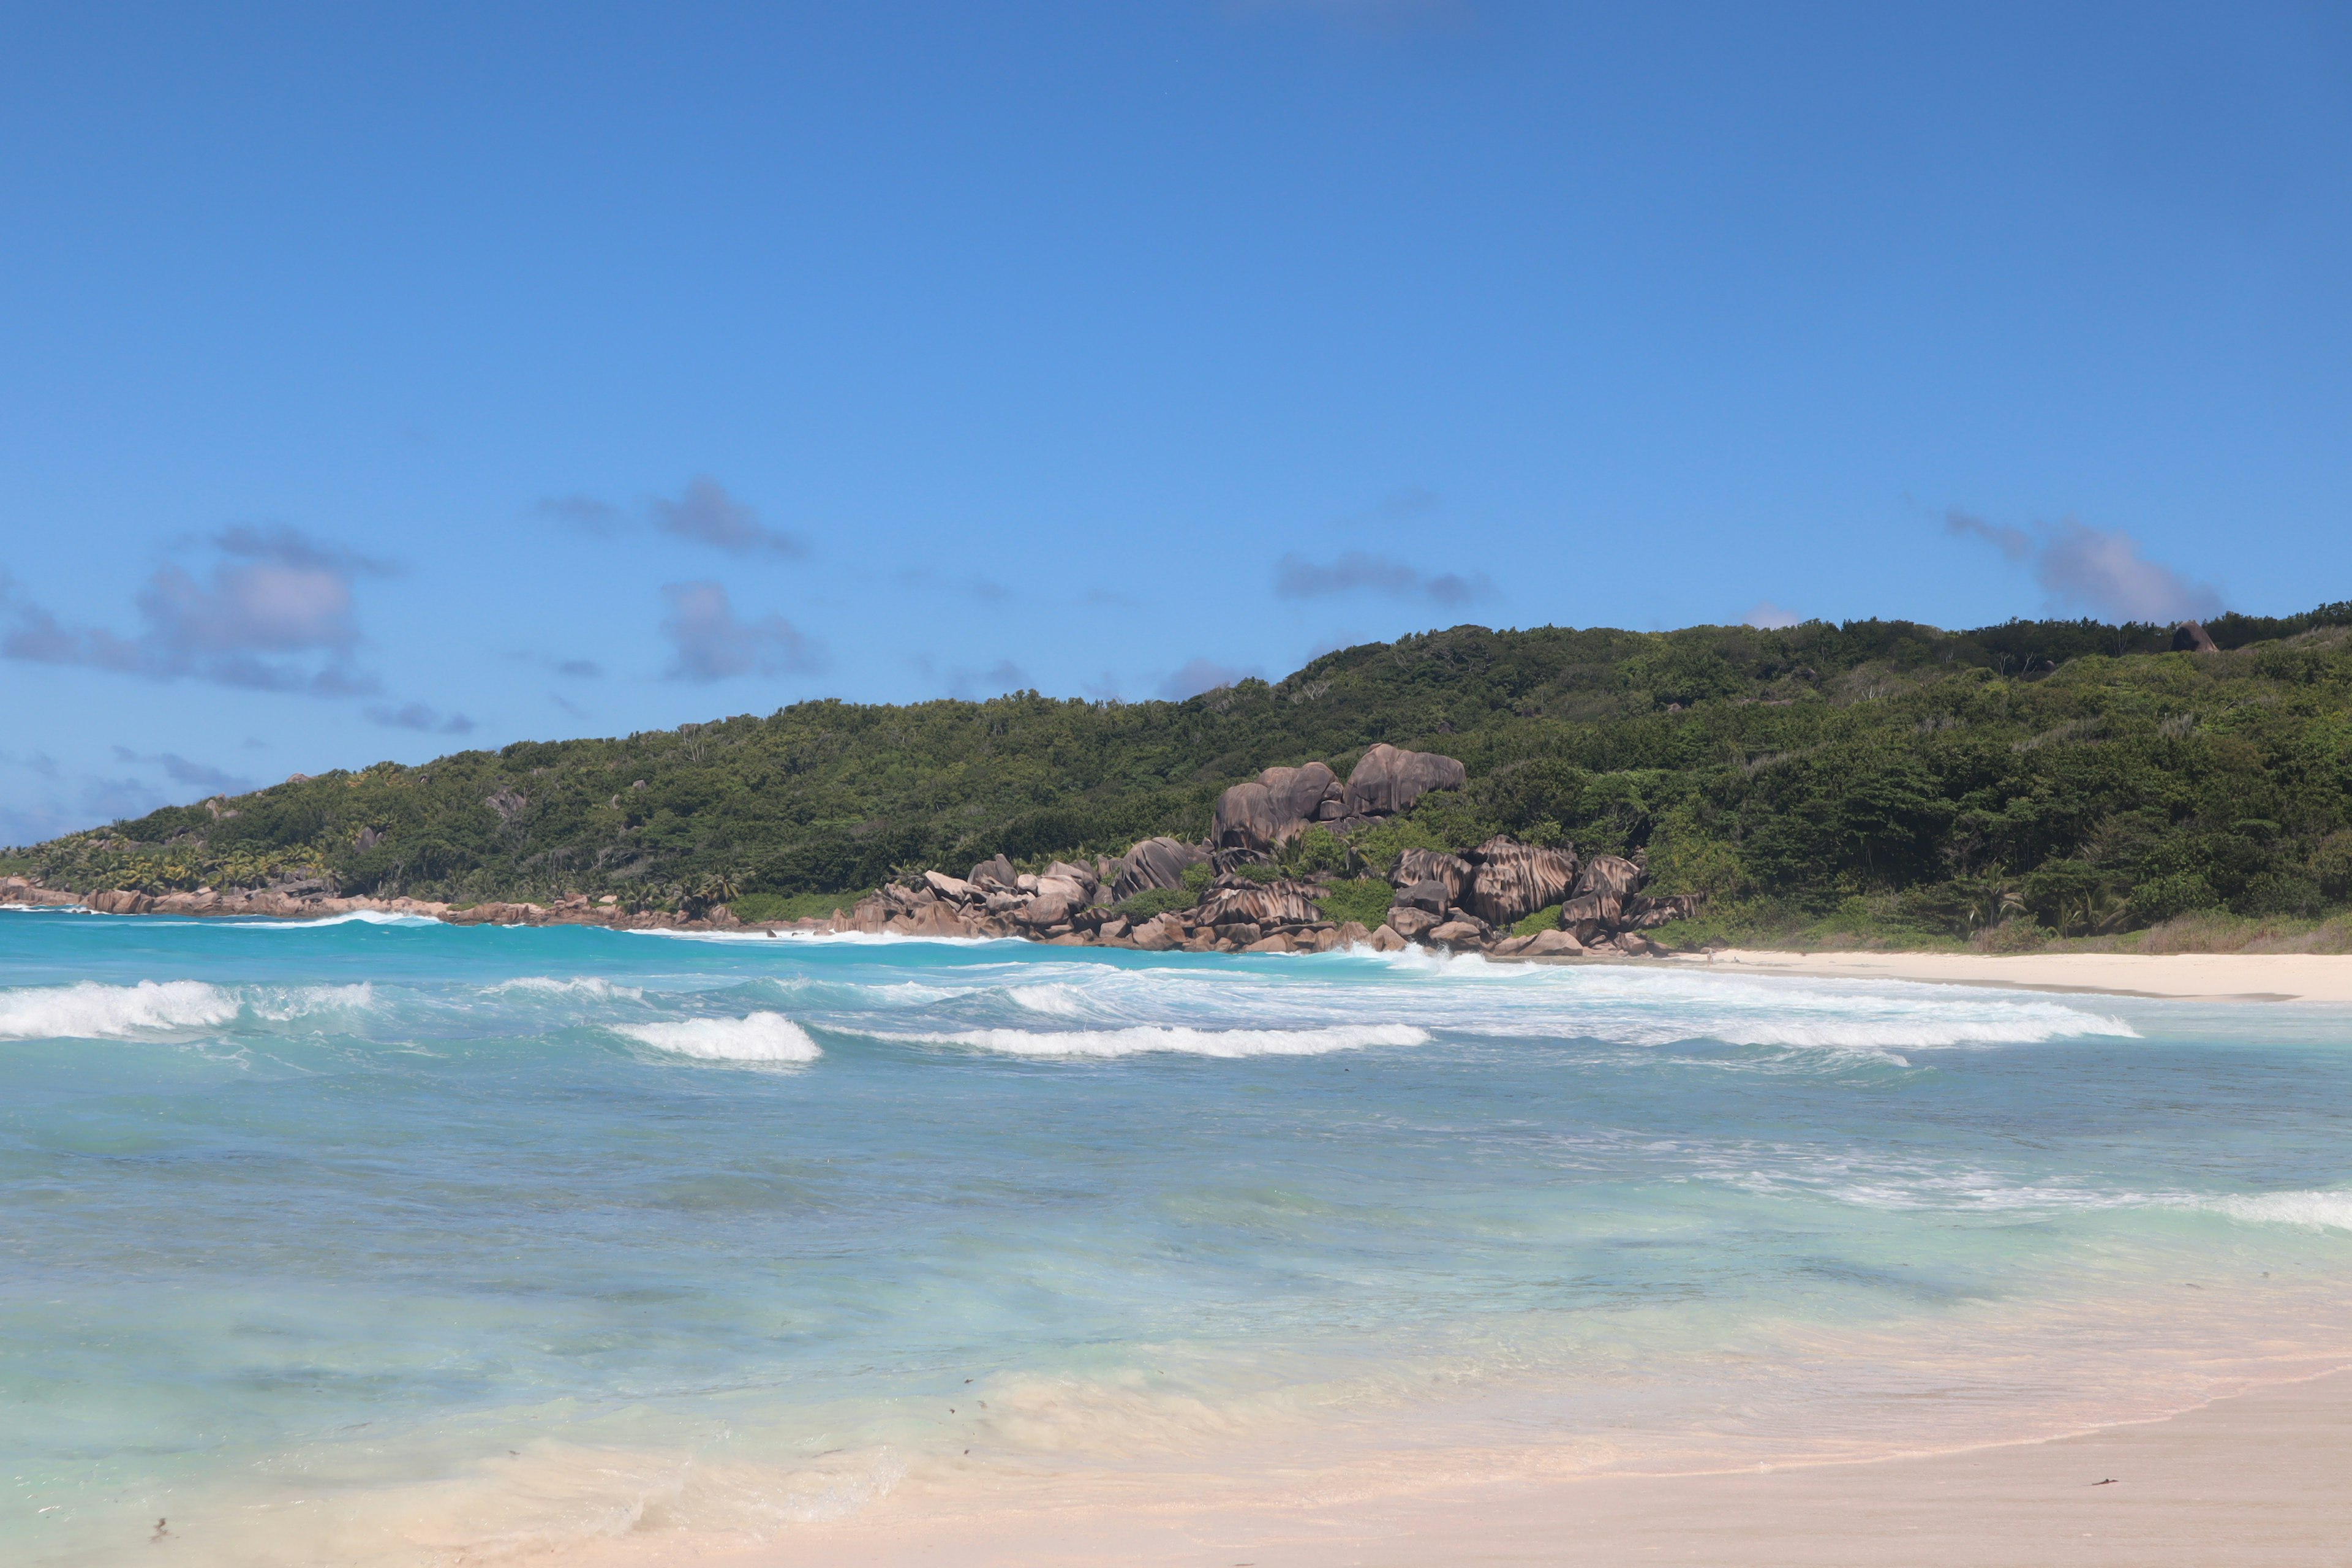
(2080,773)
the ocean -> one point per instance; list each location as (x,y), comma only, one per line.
(379,1241)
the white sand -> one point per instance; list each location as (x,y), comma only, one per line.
(2208,976)
(2264,1479)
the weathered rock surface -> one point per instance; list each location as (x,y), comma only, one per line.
(1429,898)
(1452,871)
(1259,903)
(2191,636)
(1280,803)
(1513,880)
(1389,779)
(1154,863)
(994,876)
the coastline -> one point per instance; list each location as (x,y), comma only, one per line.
(2261,1476)
(2185,976)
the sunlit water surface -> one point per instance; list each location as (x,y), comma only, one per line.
(388,1242)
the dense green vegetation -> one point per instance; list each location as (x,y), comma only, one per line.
(2061,776)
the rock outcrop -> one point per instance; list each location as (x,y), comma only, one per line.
(1513,880)
(1155,863)
(1465,902)
(1389,779)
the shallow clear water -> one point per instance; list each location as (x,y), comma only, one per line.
(373,1242)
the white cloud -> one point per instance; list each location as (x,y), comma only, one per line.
(1770,616)
(1359,571)
(712,644)
(276,614)
(707,514)
(2100,570)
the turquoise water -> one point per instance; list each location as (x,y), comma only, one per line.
(368,1241)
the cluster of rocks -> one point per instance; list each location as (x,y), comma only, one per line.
(1467,902)
(1461,902)
(1471,901)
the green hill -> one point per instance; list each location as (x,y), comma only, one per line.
(1880,774)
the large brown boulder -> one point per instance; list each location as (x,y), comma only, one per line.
(1278,806)
(1154,863)
(1552,944)
(994,876)
(1588,916)
(2191,636)
(1079,875)
(1456,933)
(1261,904)
(953,889)
(1610,874)
(1389,779)
(1430,897)
(1435,865)
(1056,900)
(1410,924)
(1513,880)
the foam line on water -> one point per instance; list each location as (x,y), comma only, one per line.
(348,917)
(1143,1039)
(2320,1210)
(758,1037)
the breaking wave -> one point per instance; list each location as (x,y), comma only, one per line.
(594,986)
(348,917)
(89,1011)
(760,1038)
(2325,1210)
(1144,1038)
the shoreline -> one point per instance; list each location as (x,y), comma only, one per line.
(2188,977)
(2179,977)
(2262,1476)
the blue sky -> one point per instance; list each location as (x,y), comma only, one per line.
(380,381)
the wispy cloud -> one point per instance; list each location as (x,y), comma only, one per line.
(418,716)
(1360,571)
(276,615)
(711,643)
(1770,616)
(1200,675)
(180,770)
(707,514)
(2100,570)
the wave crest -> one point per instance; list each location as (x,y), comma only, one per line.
(758,1037)
(89,1011)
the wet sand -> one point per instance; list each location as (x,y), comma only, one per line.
(2264,1477)
(2202,976)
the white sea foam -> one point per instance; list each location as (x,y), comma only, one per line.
(2323,1210)
(760,1038)
(281,1003)
(89,1011)
(1143,1039)
(1060,1001)
(579,985)
(348,917)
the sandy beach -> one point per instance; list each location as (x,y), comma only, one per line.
(2263,1477)
(2199,976)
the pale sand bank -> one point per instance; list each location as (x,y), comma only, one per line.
(2263,1479)
(2207,976)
